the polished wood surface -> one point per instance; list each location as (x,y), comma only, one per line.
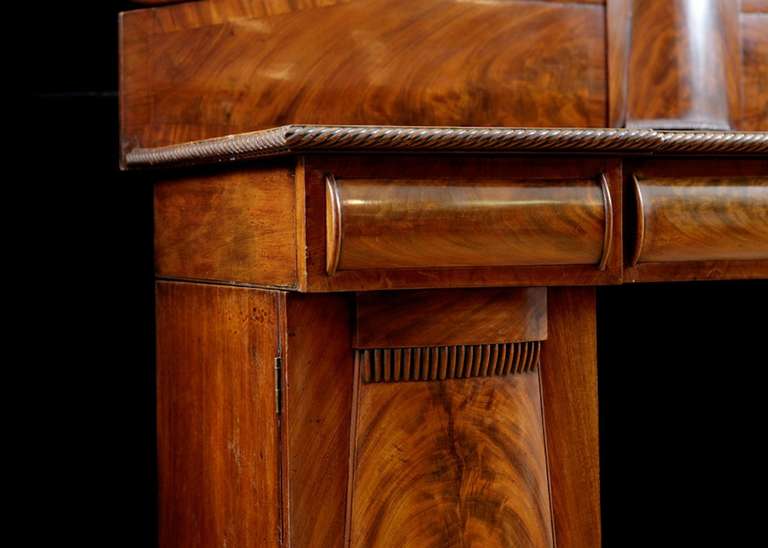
(683,64)
(402,375)
(424,230)
(206,69)
(448,317)
(216,423)
(228,226)
(437,223)
(450,463)
(318,368)
(701,219)
(696,220)
(569,392)
(754,30)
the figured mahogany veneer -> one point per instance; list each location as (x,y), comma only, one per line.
(697,220)
(460,221)
(701,219)
(435,223)
(450,463)
(212,68)
(391,319)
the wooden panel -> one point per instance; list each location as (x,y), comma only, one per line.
(437,223)
(450,463)
(708,168)
(754,30)
(447,362)
(318,368)
(618,23)
(196,71)
(569,390)
(684,61)
(217,430)
(701,218)
(228,225)
(474,233)
(448,317)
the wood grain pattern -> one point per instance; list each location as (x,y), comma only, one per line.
(387,62)
(707,168)
(437,223)
(450,463)
(231,226)
(318,363)
(437,170)
(754,31)
(754,6)
(569,391)
(217,430)
(701,219)
(449,317)
(618,29)
(684,64)
(438,363)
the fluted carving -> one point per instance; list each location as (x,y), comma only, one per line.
(447,362)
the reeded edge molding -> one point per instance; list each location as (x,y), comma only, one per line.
(296,139)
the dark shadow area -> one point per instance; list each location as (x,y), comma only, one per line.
(681,412)
(87,260)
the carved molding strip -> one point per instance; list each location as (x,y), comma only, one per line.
(295,139)
(447,362)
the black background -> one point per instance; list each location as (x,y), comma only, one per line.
(681,393)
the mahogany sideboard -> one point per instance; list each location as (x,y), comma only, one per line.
(379,226)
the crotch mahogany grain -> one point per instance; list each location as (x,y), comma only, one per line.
(206,69)
(450,317)
(450,463)
(675,64)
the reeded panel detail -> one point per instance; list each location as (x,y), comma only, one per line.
(447,362)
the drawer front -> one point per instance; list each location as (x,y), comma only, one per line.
(443,223)
(701,219)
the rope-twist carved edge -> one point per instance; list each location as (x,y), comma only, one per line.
(293,139)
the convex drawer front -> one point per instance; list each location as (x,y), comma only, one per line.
(487,222)
(681,219)
(400,222)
